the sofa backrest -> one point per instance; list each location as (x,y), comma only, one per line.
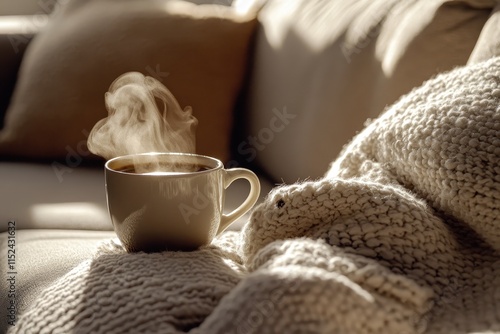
(323,67)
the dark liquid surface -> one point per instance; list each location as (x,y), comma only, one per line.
(164,168)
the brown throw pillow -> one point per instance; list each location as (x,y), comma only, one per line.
(198,51)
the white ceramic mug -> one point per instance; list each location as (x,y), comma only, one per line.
(171,201)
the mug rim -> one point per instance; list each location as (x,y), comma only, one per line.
(218,164)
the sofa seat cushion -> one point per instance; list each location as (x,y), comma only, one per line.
(42,195)
(56,196)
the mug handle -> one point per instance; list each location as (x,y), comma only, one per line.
(231,175)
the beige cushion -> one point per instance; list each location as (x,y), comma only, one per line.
(488,44)
(333,64)
(198,51)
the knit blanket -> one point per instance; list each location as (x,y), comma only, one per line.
(402,235)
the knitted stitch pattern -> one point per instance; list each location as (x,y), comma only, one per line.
(117,292)
(402,235)
(418,191)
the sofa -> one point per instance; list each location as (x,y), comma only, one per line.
(278,87)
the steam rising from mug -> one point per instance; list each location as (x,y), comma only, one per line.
(135,123)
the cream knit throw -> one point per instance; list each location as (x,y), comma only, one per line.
(401,236)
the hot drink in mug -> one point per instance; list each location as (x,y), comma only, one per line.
(171,201)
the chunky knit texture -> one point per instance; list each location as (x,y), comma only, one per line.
(402,235)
